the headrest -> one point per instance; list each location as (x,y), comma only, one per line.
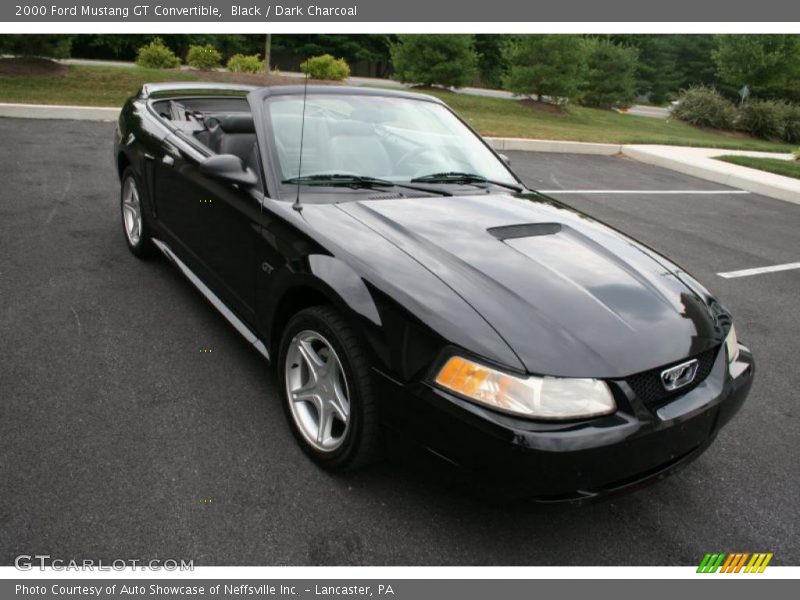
(233,122)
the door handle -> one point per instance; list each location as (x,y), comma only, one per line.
(168,160)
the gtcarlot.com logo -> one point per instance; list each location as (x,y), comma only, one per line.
(734,562)
(26,562)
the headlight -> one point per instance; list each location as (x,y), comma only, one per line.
(535,397)
(732,345)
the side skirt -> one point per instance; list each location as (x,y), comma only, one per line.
(237,323)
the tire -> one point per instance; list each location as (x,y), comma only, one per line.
(135,223)
(347,444)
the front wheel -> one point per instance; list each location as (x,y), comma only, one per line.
(327,386)
(134,222)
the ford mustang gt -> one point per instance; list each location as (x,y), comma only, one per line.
(407,286)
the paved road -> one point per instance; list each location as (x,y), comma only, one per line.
(655,112)
(119,439)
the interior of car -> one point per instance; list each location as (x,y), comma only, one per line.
(387,138)
(223,125)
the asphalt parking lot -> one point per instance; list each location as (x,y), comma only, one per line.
(120,439)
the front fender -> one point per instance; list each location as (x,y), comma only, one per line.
(400,344)
(342,280)
(322,279)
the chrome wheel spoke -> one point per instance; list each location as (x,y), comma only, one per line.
(305,394)
(340,403)
(315,364)
(325,423)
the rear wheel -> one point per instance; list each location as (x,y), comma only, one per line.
(134,221)
(328,390)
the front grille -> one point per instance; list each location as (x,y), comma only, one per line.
(648,387)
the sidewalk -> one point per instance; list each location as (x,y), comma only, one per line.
(698,162)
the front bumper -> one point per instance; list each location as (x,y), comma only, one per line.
(574,460)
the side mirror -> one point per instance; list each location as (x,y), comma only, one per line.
(505,159)
(228,167)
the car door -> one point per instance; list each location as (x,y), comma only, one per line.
(213,224)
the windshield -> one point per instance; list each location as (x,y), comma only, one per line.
(387,138)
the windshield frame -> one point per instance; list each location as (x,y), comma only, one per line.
(259,99)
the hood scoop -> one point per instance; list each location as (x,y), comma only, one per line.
(397,196)
(510,232)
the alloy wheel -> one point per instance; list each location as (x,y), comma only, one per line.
(317,391)
(132,211)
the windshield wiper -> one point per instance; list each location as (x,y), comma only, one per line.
(356,181)
(459,177)
(344,179)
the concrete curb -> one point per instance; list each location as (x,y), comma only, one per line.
(702,164)
(58,111)
(528,145)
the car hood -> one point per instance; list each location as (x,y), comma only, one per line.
(571,296)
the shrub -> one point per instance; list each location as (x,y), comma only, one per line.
(762,118)
(203,57)
(610,75)
(443,59)
(791,125)
(240,63)
(156,55)
(326,67)
(546,65)
(797,154)
(705,107)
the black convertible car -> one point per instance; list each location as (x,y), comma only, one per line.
(404,281)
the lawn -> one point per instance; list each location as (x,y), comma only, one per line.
(788,168)
(85,86)
(500,117)
(109,86)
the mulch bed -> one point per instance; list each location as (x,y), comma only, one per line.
(553,109)
(31,67)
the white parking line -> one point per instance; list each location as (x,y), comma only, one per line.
(648,192)
(759,270)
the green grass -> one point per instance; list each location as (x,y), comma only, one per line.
(788,168)
(500,117)
(109,86)
(85,86)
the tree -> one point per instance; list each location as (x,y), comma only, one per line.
(694,60)
(546,65)
(492,64)
(671,63)
(445,59)
(372,49)
(769,64)
(610,75)
(45,45)
(268,53)
(124,47)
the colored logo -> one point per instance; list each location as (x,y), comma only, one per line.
(736,562)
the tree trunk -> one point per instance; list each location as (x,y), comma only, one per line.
(268,53)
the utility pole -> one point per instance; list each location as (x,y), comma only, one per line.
(268,53)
